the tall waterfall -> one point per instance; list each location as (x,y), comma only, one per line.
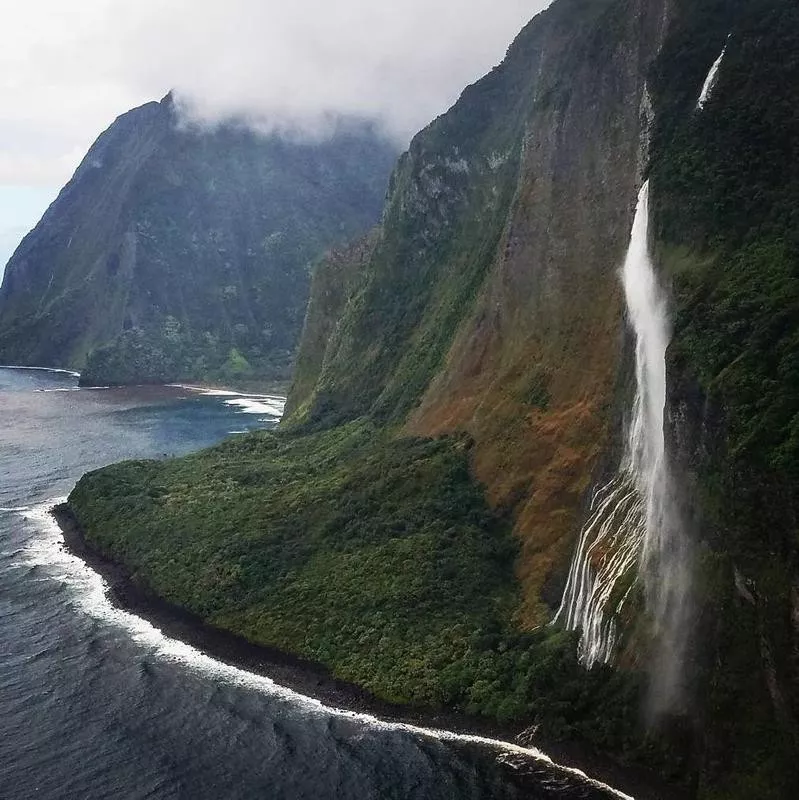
(633,536)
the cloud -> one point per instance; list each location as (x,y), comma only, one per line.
(69,68)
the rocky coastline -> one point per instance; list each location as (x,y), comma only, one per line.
(316,681)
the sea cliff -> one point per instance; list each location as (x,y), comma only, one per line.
(465,383)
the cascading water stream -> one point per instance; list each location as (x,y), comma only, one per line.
(634,535)
(710,80)
(632,532)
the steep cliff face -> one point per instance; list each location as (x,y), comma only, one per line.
(176,252)
(492,303)
(333,282)
(725,178)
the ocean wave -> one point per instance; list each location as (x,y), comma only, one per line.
(256,406)
(278,398)
(42,369)
(73,389)
(245,402)
(202,390)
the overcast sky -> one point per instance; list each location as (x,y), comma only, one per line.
(69,67)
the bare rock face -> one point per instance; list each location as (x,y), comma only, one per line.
(180,252)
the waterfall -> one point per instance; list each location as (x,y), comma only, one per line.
(633,536)
(710,80)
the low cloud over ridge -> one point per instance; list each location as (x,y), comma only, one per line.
(70,68)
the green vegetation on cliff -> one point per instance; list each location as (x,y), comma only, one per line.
(180,252)
(333,283)
(726,202)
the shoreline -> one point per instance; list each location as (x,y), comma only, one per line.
(71,372)
(315,681)
(257,387)
(277,390)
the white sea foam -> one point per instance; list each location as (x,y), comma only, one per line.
(245,402)
(73,389)
(42,369)
(202,390)
(14,509)
(46,549)
(261,405)
(228,392)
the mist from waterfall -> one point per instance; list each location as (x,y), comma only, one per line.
(633,537)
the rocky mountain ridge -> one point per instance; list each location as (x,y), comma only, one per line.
(181,252)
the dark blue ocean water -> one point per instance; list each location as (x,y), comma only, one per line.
(97,703)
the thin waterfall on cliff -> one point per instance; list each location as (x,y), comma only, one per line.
(633,537)
(710,80)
